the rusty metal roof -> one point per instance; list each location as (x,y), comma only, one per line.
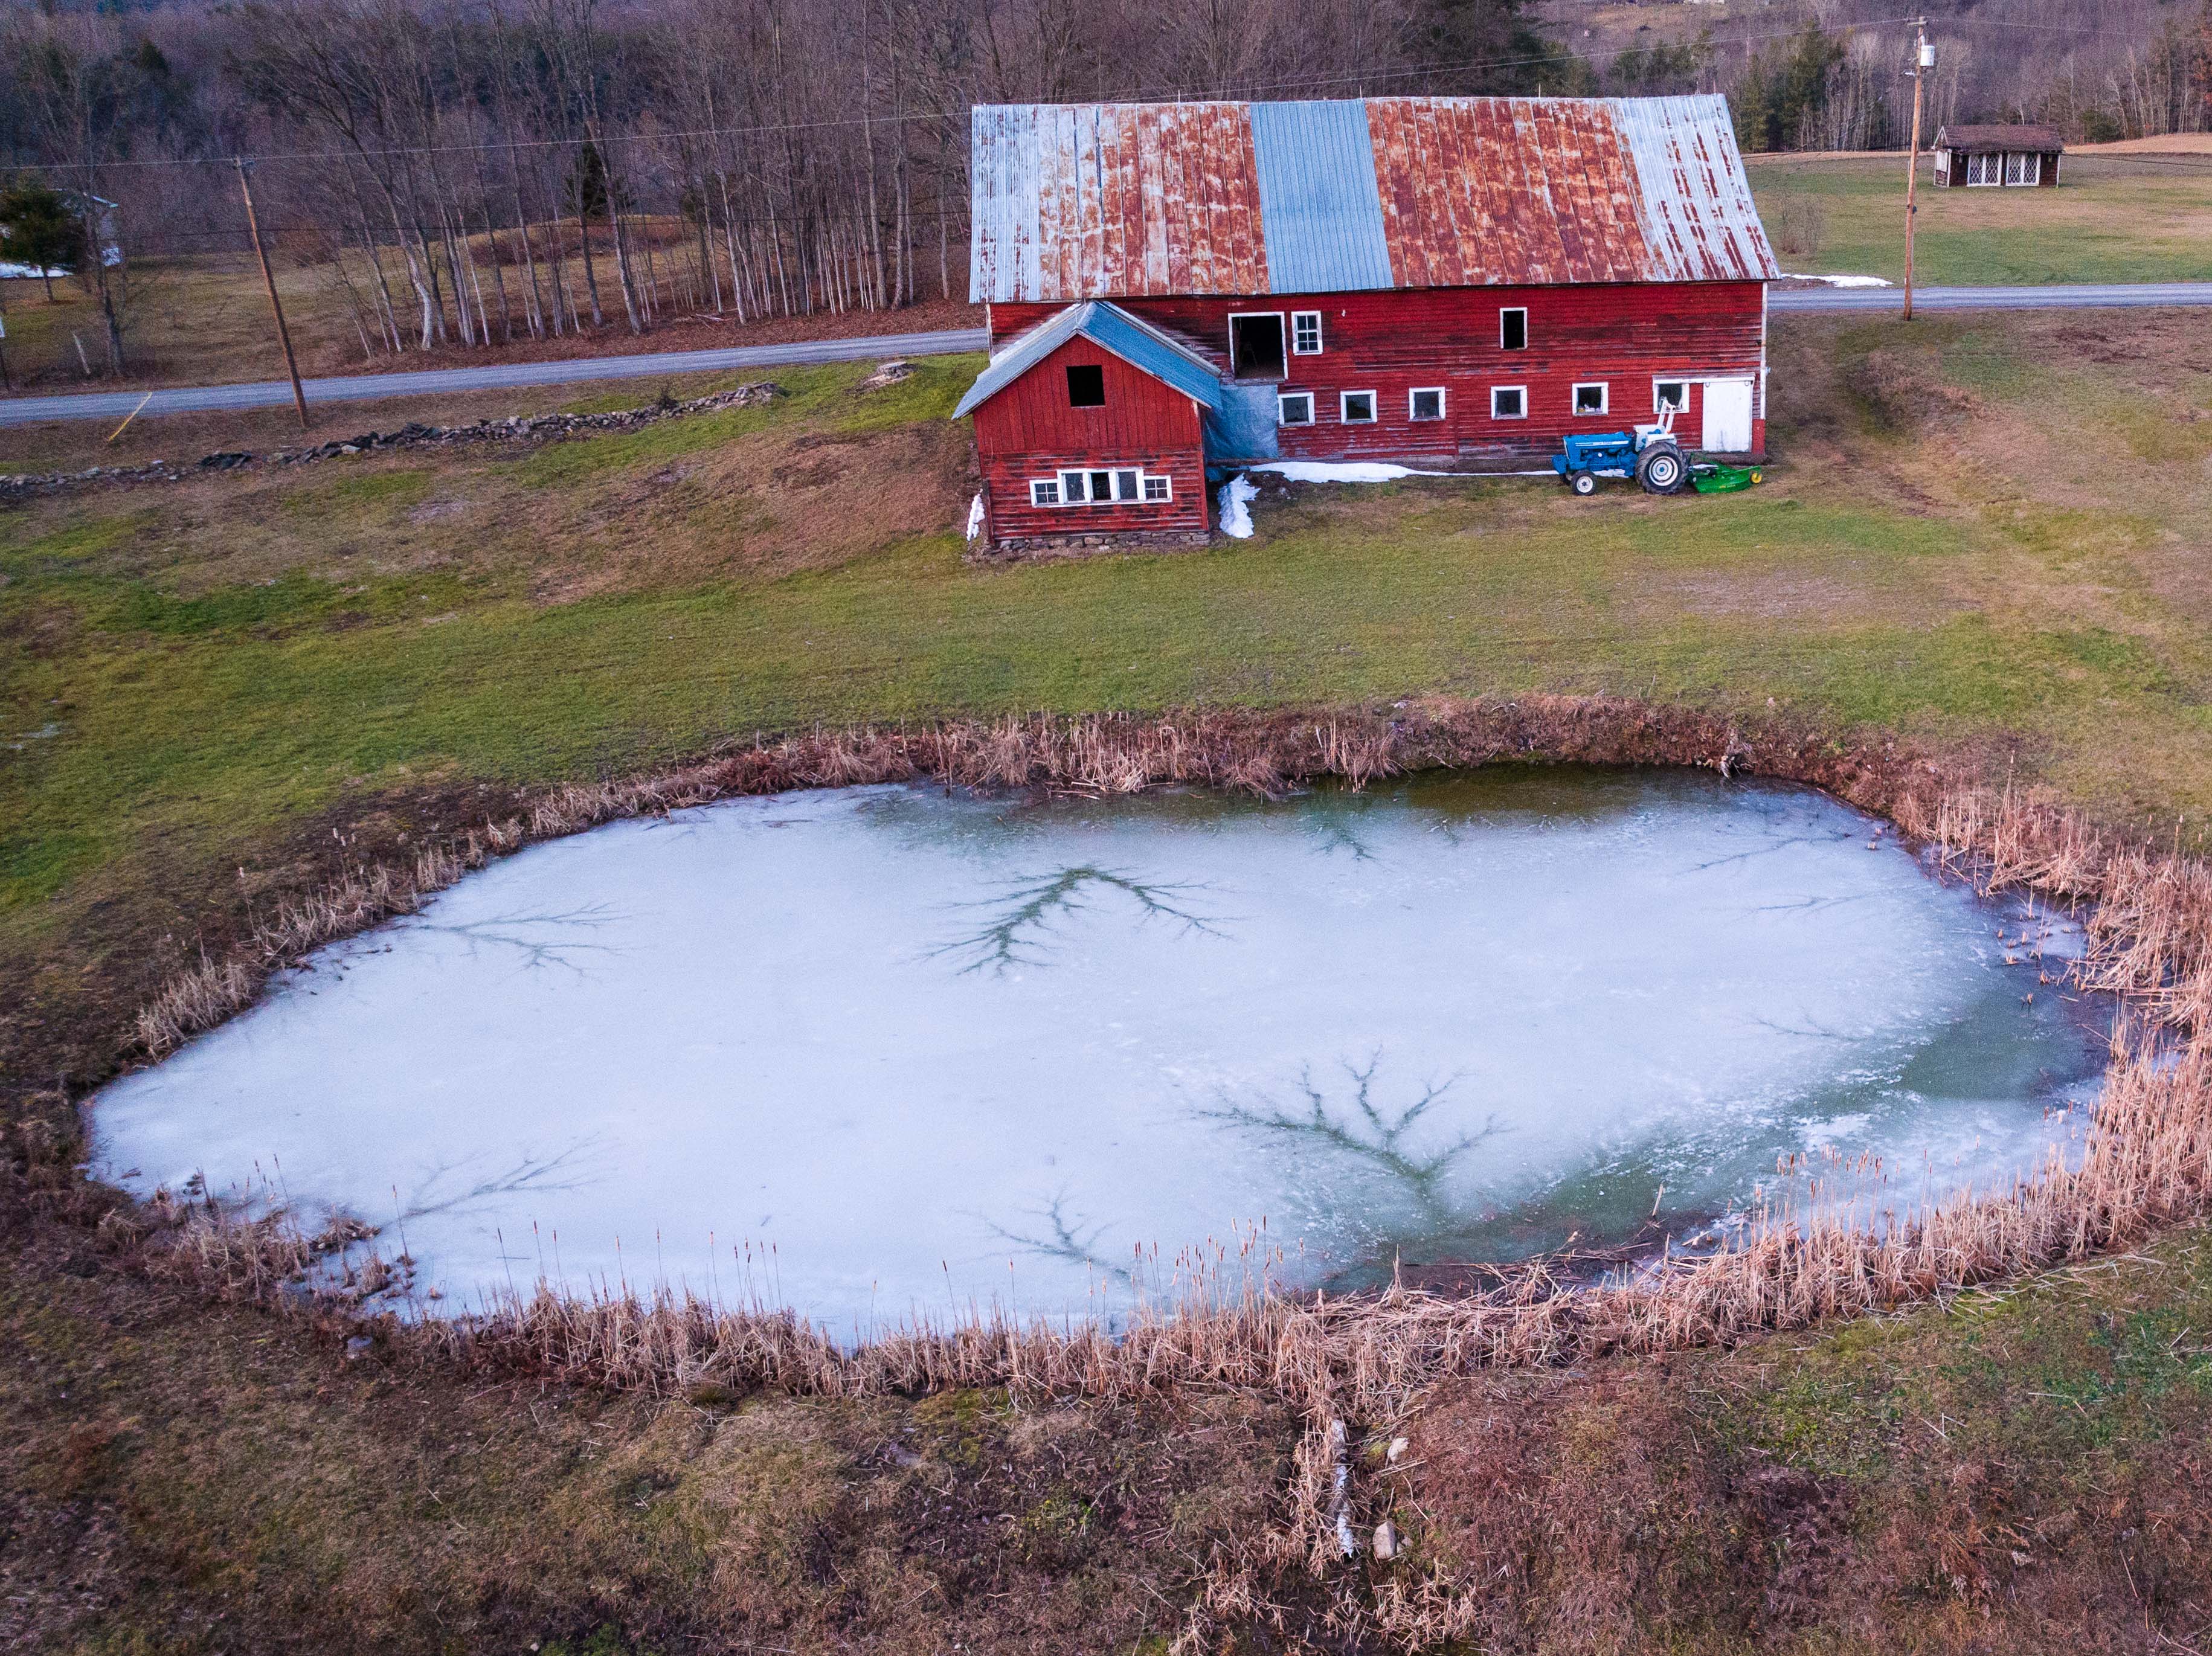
(1084,201)
(1996,139)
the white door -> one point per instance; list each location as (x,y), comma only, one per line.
(1728,416)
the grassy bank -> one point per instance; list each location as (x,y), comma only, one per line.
(2113,218)
(1987,534)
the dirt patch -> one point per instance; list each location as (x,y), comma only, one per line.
(1776,595)
(759,507)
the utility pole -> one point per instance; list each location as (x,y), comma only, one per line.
(284,334)
(1924,59)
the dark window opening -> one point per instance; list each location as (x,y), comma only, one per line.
(1256,346)
(1102,486)
(1513,330)
(1086,387)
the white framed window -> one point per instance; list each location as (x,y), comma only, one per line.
(1305,333)
(1107,486)
(1591,397)
(1295,408)
(2022,167)
(1982,170)
(1509,401)
(1513,328)
(1356,408)
(1425,402)
(1670,394)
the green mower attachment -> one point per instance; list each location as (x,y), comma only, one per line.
(1711,477)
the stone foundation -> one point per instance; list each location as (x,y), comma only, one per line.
(1039,549)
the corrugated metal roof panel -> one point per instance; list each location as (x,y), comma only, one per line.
(1699,220)
(1112,329)
(1091,200)
(1085,201)
(1319,206)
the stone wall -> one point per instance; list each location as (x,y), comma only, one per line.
(1039,549)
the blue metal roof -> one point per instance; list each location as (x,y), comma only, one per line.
(1111,329)
(1318,196)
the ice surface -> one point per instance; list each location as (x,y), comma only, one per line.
(924,1049)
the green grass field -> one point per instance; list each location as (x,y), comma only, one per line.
(2110,218)
(1988,532)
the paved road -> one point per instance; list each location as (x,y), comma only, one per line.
(113,405)
(2102,295)
(358,387)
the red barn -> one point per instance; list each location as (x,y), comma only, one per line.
(1445,282)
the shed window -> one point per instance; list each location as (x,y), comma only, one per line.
(1985,170)
(1425,402)
(1670,394)
(1358,408)
(2023,168)
(1295,408)
(1591,399)
(1513,329)
(1305,333)
(1086,386)
(1115,485)
(1509,401)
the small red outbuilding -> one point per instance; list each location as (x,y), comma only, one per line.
(1450,282)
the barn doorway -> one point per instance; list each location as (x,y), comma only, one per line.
(1255,346)
(1728,416)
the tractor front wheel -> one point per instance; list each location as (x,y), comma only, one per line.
(1582,482)
(1661,469)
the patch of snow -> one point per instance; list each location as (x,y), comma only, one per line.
(1840,281)
(975,516)
(1237,497)
(1342,471)
(15,270)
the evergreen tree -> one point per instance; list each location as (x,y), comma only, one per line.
(43,230)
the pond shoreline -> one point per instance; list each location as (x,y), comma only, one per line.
(2150,1161)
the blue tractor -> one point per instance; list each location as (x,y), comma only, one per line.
(1647,453)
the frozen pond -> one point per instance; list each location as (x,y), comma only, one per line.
(900,1048)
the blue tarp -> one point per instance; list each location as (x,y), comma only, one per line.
(1244,427)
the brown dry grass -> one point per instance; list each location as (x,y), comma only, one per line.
(1369,1360)
(2147,1161)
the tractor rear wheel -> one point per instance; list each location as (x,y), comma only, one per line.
(1582,482)
(1661,469)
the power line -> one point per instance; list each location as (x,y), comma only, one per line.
(1154,94)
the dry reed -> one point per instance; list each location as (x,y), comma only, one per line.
(2148,1158)
(2145,1160)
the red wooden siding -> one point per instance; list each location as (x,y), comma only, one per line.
(1028,430)
(1391,342)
